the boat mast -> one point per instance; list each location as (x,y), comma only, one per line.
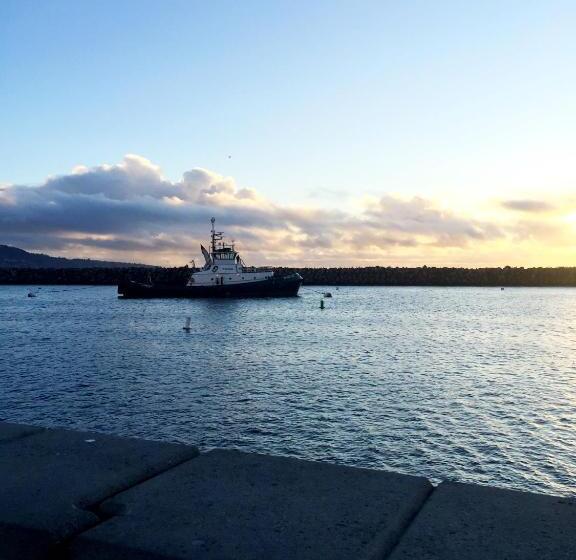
(216,237)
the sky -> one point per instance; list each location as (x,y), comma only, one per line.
(316,132)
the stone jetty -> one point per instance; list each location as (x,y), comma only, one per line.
(88,496)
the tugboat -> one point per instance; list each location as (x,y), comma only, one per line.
(224,274)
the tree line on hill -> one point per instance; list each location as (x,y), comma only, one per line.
(13,257)
(92,276)
(361,276)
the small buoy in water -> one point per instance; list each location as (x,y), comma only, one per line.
(327,294)
(502,289)
(186,327)
(31,294)
(321,304)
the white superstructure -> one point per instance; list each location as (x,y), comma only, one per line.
(223,265)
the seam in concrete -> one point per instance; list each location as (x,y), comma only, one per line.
(22,436)
(60,550)
(410,522)
(96,508)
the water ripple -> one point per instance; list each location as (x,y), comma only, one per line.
(462,384)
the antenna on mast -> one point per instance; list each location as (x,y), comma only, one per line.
(213,220)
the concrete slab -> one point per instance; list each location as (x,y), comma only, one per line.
(9,431)
(228,504)
(481,523)
(50,479)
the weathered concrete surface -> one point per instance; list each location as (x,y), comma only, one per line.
(471,522)
(228,504)
(80,496)
(48,478)
(9,431)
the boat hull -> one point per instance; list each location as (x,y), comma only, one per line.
(285,286)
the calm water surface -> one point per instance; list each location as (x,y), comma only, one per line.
(451,383)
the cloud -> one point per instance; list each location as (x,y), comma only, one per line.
(130,211)
(527,205)
(418,218)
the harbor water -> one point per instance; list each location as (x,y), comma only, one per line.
(468,384)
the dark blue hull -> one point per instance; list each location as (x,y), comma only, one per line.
(284,286)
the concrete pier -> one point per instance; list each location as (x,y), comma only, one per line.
(77,496)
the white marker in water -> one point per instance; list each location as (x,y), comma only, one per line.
(186,327)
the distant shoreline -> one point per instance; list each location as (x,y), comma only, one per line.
(364,276)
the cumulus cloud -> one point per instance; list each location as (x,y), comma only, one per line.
(130,211)
(527,205)
(419,218)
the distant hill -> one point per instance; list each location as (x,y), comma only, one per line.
(12,257)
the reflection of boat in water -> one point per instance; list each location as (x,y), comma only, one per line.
(224,274)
